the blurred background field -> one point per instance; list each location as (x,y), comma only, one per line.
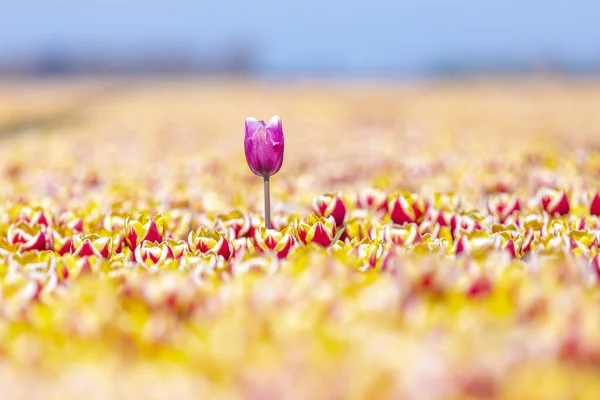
(383,75)
(339,134)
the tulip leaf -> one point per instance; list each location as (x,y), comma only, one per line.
(337,236)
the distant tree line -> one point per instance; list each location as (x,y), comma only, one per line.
(241,59)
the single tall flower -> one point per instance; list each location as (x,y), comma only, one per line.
(264,153)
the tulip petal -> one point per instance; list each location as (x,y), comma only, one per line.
(252,127)
(274,131)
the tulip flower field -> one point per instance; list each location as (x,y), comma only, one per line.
(426,241)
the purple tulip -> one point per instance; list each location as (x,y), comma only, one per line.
(264,153)
(264,146)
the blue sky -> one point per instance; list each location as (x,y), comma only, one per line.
(310,33)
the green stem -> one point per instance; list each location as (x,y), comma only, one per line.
(267,204)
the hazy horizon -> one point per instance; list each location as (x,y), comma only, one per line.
(353,36)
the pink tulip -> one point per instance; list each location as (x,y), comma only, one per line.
(264,145)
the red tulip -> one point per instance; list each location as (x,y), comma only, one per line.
(63,245)
(511,248)
(406,207)
(555,202)
(315,229)
(463,223)
(92,245)
(361,227)
(35,217)
(368,252)
(480,287)
(503,206)
(204,241)
(236,222)
(595,205)
(330,205)
(151,253)
(372,199)
(70,220)
(29,237)
(595,264)
(401,234)
(441,217)
(144,229)
(527,241)
(267,240)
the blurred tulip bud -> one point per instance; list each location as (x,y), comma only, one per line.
(580,242)
(526,242)
(63,244)
(481,286)
(330,205)
(595,265)
(441,217)
(92,245)
(476,243)
(368,252)
(236,222)
(361,227)
(511,248)
(555,202)
(267,240)
(372,199)
(315,229)
(29,237)
(179,247)
(144,229)
(595,205)
(70,220)
(151,253)
(464,224)
(35,217)
(406,207)
(401,234)
(503,206)
(205,241)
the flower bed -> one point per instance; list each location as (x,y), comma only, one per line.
(453,263)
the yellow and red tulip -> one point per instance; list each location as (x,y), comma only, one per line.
(555,202)
(237,223)
(406,207)
(35,217)
(372,199)
(205,241)
(70,220)
(319,230)
(474,243)
(29,237)
(151,253)
(595,205)
(368,252)
(595,266)
(144,229)
(464,223)
(272,240)
(503,206)
(330,204)
(361,227)
(92,245)
(401,234)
